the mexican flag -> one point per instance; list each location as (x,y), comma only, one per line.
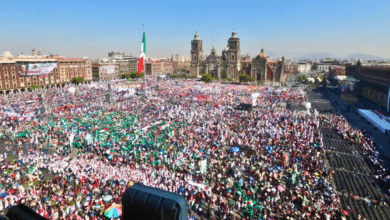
(142,56)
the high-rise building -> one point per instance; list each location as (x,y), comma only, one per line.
(178,58)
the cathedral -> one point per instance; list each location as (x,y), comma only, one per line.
(230,64)
(226,66)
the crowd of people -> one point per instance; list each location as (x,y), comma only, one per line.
(75,158)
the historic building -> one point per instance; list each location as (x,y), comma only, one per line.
(196,55)
(231,58)
(374,82)
(127,64)
(228,65)
(268,71)
(105,69)
(22,72)
(156,68)
(212,64)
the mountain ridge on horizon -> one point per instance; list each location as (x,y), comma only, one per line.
(356,56)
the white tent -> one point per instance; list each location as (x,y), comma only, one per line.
(340,77)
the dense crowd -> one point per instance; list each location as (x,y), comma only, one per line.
(261,164)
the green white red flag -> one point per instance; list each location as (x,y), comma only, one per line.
(142,56)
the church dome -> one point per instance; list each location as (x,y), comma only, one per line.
(234,33)
(262,54)
(196,37)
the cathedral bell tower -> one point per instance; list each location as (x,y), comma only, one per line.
(196,55)
(233,55)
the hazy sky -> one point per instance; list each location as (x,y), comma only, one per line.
(291,28)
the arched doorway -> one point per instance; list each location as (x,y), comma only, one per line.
(8,92)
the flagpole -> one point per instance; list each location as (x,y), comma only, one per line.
(143,29)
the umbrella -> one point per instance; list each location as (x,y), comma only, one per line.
(181,189)
(107,197)
(280,188)
(3,194)
(234,149)
(113,211)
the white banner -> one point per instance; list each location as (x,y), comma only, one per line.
(36,69)
(108,70)
(203,166)
(201,186)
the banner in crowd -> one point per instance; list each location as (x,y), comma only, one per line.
(203,166)
(108,70)
(36,69)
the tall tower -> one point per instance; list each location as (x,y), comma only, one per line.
(233,56)
(196,55)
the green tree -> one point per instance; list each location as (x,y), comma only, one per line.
(126,76)
(243,77)
(34,87)
(134,75)
(316,80)
(77,80)
(206,77)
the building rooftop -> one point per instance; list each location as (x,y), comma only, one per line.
(34,60)
(7,61)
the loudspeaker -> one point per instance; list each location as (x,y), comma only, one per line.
(147,203)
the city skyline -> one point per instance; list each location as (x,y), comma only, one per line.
(289,28)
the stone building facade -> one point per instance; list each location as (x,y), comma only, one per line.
(196,55)
(105,69)
(156,68)
(228,65)
(66,69)
(374,82)
(268,71)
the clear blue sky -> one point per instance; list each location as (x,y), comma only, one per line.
(292,28)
